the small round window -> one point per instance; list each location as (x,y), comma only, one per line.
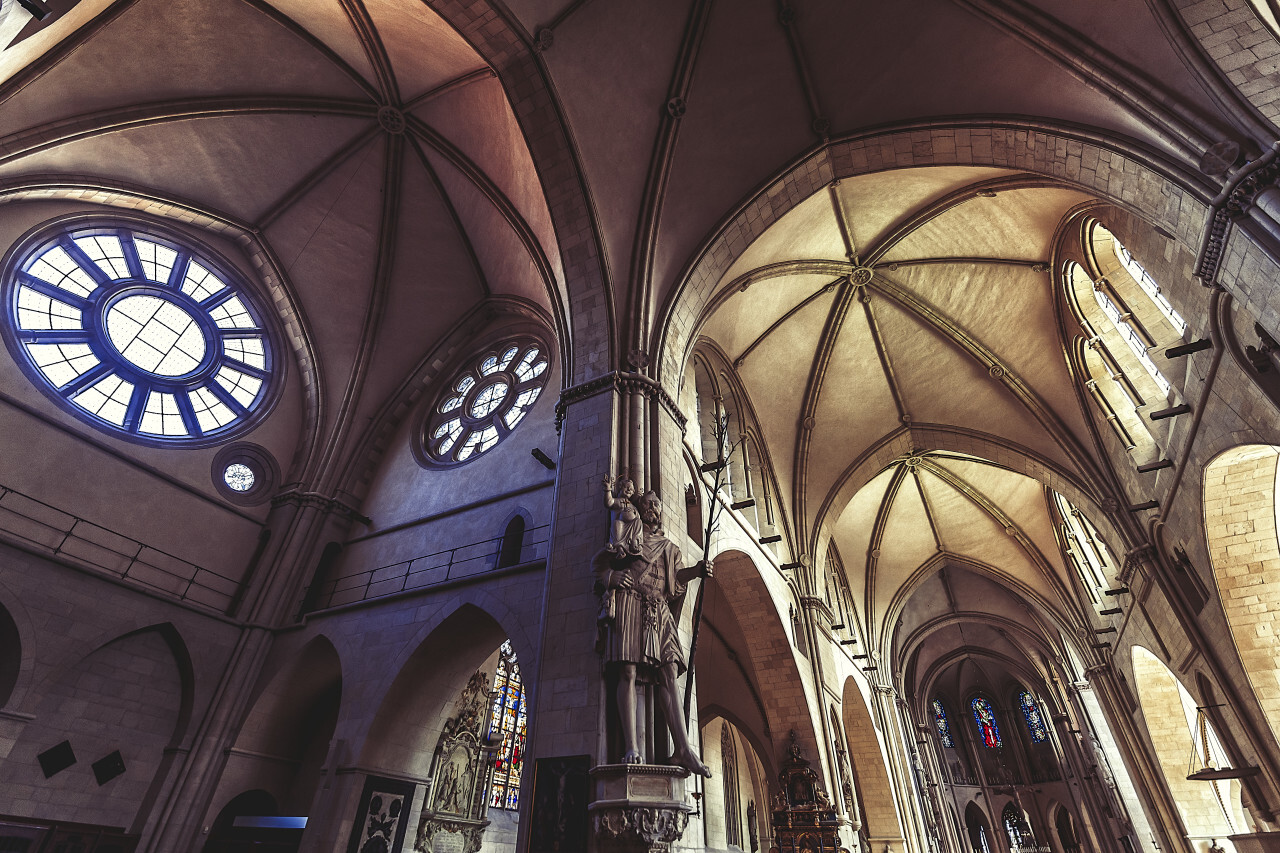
(485,400)
(138,334)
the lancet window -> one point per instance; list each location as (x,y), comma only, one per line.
(943,725)
(984,716)
(1036,727)
(508,719)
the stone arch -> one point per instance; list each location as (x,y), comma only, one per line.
(1240,532)
(771,658)
(975,821)
(11,659)
(1169,712)
(130,696)
(1172,200)
(402,734)
(881,822)
(510,54)
(284,744)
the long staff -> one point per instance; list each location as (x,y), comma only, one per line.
(721,432)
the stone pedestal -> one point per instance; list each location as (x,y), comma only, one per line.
(637,808)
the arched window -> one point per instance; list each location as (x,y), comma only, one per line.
(1035,719)
(942,724)
(1129,307)
(1015,826)
(1084,548)
(507,722)
(138,334)
(1148,285)
(512,543)
(485,400)
(984,716)
(729,781)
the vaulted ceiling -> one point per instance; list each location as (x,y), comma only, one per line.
(374,159)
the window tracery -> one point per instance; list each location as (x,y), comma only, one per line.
(508,719)
(138,334)
(485,401)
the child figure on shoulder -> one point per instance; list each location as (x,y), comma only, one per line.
(626,531)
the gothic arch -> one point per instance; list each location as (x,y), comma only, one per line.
(769,648)
(1240,532)
(1208,810)
(880,818)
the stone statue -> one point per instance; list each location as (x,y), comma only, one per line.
(639,640)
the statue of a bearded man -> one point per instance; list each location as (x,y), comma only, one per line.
(640,641)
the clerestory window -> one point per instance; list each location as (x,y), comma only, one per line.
(485,400)
(1084,548)
(139,334)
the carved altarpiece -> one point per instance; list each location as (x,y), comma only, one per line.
(804,820)
(454,815)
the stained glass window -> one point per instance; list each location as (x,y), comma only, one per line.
(1035,720)
(138,335)
(485,401)
(944,726)
(507,722)
(985,717)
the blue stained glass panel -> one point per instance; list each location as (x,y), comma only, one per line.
(1035,720)
(944,726)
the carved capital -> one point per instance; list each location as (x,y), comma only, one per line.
(627,383)
(1134,558)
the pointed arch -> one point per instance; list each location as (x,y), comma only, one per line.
(880,818)
(1240,531)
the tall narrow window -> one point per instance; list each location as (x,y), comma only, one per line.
(1035,719)
(943,725)
(1149,286)
(1122,320)
(985,718)
(729,781)
(1084,548)
(507,722)
(1016,828)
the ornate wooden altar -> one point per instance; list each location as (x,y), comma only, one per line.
(804,820)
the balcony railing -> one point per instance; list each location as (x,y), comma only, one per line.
(59,533)
(451,564)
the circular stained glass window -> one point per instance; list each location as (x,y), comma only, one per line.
(139,335)
(239,477)
(485,400)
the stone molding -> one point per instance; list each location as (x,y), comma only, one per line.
(1236,206)
(316,500)
(623,382)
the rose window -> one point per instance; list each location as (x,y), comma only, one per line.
(139,335)
(485,401)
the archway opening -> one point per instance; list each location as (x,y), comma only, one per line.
(1209,810)
(1240,506)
